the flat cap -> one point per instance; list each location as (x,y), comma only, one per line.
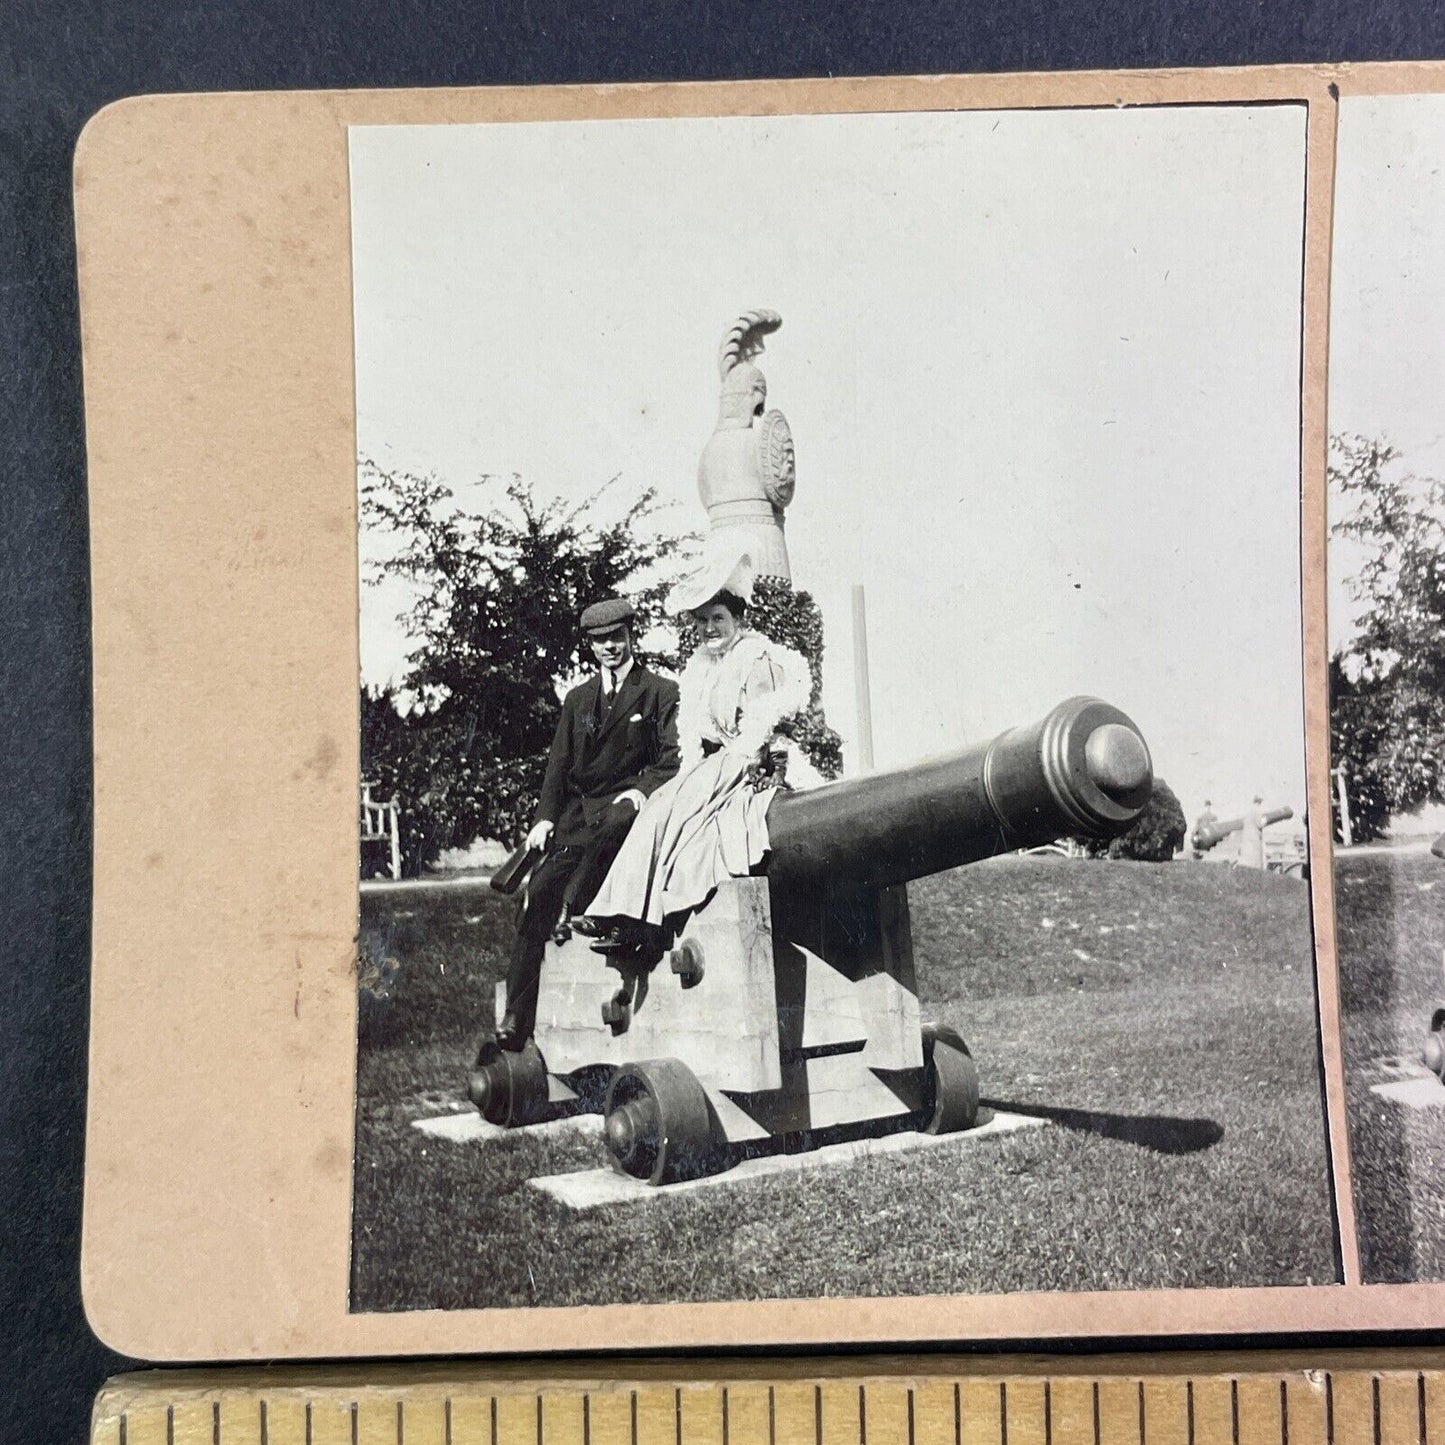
(606,614)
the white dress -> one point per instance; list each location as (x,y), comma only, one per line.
(708,823)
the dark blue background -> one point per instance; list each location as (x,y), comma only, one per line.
(59,62)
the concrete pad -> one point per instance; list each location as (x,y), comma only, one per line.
(591,1188)
(1422,1092)
(471,1128)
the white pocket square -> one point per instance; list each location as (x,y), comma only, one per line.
(636,717)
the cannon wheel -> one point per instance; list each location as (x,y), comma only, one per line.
(658,1124)
(950,1082)
(510,1089)
(1433,1054)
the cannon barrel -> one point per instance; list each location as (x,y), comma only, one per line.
(1205,838)
(1084,769)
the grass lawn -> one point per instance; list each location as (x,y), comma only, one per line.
(1390,909)
(1162,1016)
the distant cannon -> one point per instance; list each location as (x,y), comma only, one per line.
(786,1004)
(1205,838)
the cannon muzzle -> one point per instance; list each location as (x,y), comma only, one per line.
(1082,770)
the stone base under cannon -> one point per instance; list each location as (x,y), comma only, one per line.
(761,1023)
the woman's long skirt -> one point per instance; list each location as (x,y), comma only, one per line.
(704,825)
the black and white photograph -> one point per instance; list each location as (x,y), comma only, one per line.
(1387,669)
(832,708)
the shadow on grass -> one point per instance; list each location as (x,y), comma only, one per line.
(1156,1132)
(1374,907)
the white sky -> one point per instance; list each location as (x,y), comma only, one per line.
(1387,302)
(1042,372)
(1387,306)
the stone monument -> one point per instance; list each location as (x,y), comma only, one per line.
(745,480)
(747,473)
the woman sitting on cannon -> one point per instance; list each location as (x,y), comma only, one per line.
(709,822)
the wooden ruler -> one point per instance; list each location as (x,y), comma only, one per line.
(1369,1398)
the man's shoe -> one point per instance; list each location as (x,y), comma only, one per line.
(590,927)
(510,1034)
(614,942)
(631,938)
(562,930)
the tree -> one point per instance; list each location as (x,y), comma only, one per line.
(1359,742)
(1387,711)
(494,630)
(1155,836)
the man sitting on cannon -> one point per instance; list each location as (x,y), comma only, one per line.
(615,744)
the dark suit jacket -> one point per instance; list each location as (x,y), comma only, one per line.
(596,757)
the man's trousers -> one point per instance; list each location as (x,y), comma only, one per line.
(569,875)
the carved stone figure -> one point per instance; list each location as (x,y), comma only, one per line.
(747,472)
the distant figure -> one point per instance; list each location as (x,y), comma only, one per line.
(1202,824)
(1251,836)
(1438,846)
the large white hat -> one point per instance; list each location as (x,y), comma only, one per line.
(727,565)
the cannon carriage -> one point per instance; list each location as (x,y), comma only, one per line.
(785,1007)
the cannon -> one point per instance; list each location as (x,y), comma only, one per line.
(1206,838)
(785,1007)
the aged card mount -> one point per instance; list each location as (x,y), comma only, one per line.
(222,318)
